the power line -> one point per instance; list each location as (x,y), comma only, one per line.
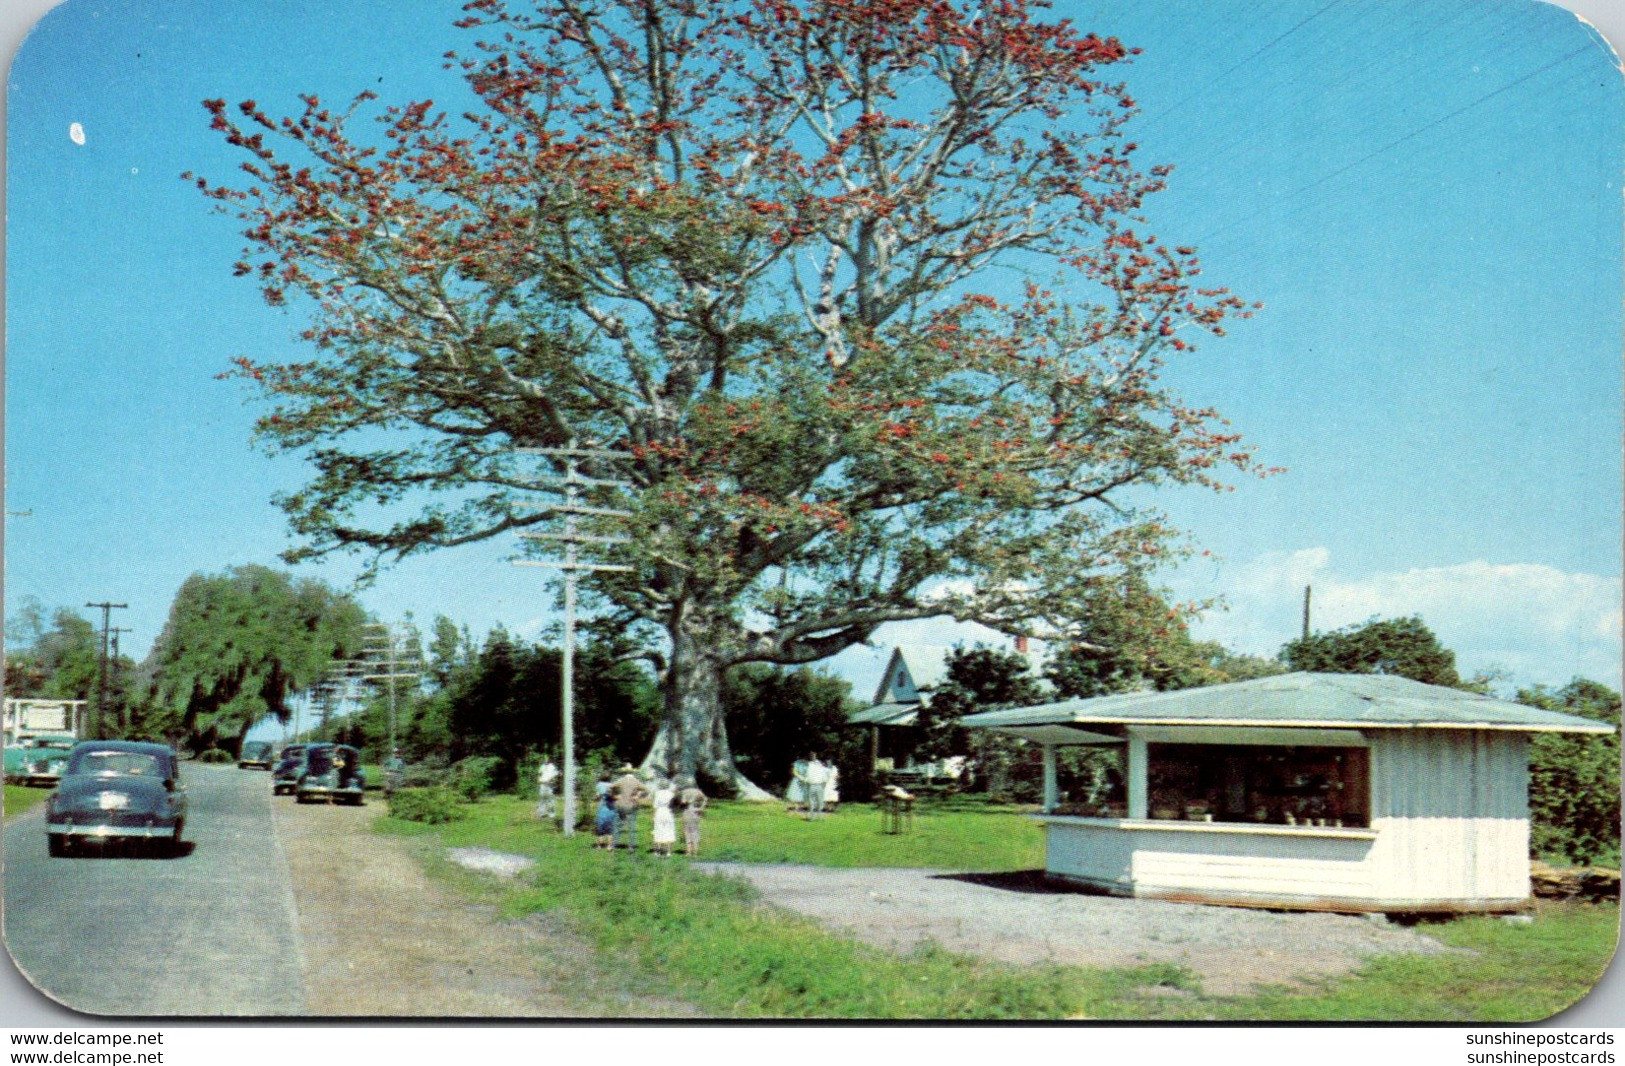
(1339,172)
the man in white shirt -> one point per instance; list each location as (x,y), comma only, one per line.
(546,778)
(815,782)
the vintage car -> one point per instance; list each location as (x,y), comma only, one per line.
(117,790)
(38,759)
(285,774)
(255,753)
(332,772)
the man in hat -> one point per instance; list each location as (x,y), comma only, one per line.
(628,792)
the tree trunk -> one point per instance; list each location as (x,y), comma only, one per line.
(693,736)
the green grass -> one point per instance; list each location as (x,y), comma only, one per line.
(1516,973)
(708,941)
(947,838)
(19,799)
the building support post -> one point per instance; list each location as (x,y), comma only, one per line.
(1138,801)
(1051,792)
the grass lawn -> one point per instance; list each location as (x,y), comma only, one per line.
(947,838)
(19,799)
(706,940)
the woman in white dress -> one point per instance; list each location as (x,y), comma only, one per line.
(665,831)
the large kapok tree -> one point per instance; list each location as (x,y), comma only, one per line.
(858,291)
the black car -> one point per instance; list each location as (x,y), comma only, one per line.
(332,772)
(255,753)
(117,790)
(285,775)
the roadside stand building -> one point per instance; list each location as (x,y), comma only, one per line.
(1342,792)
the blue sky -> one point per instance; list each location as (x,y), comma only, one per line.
(1425,196)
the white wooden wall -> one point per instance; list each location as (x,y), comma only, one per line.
(1451,810)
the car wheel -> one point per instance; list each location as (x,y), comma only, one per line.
(173,846)
(58,844)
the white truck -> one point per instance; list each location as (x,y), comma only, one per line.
(39,733)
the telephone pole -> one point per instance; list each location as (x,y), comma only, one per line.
(97,723)
(571,510)
(387,655)
(123,707)
(1307,590)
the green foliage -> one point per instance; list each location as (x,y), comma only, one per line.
(1132,638)
(776,716)
(214,755)
(61,660)
(237,644)
(1404,647)
(429,806)
(477,775)
(1574,780)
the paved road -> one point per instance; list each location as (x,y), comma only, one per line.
(210,933)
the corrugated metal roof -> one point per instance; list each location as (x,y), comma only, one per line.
(1300,699)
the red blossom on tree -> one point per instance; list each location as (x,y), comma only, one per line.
(736,241)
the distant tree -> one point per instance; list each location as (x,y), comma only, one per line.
(777,716)
(239,643)
(56,660)
(1574,780)
(1403,647)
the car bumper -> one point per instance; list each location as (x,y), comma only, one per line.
(109,832)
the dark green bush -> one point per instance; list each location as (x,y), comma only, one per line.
(476,776)
(215,755)
(432,806)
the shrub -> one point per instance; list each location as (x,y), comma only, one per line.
(215,755)
(431,806)
(476,775)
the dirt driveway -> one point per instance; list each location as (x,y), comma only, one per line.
(381,938)
(1017,918)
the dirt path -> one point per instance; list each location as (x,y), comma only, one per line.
(1017,918)
(382,939)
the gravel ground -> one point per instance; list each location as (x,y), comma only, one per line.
(383,939)
(1017,918)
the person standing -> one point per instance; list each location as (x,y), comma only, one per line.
(604,819)
(547,797)
(629,792)
(815,780)
(693,801)
(394,772)
(665,827)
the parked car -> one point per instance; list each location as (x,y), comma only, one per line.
(38,760)
(117,790)
(255,753)
(290,764)
(332,772)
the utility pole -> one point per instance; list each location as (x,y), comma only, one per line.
(1307,591)
(123,710)
(97,724)
(384,646)
(571,486)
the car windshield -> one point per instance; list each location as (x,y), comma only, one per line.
(256,747)
(319,760)
(107,763)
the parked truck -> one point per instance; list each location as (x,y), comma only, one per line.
(38,736)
